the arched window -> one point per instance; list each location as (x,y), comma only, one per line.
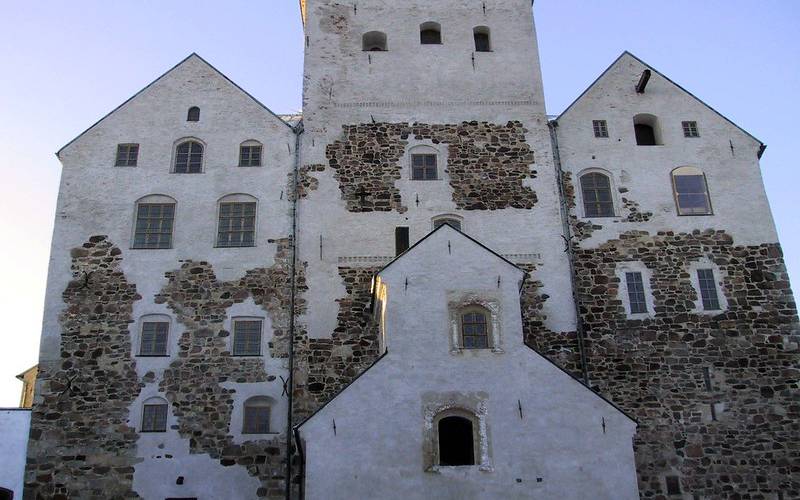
(236,226)
(155,217)
(691,191)
(647,129)
(482,39)
(597,199)
(430,33)
(374,41)
(193,115)
(475,327)
(456,437)
(250,154)
(256,415)
(154,415)
(453,220)
(189,157)
(154,335)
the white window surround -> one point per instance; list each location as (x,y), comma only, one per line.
(241,393)
(137,417)
(426,148)
(457,303)
(622,293)
(477,414)
(579,205)
(175,151)
(719,277)
(152,317)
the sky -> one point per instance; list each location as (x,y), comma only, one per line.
(63,65)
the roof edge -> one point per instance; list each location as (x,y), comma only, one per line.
(159,78)
(762,147)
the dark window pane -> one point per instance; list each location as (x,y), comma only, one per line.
(645,135)
(600,128)
(430,36)
(482,42)
(708,289)
(154,418)
(127,155)
(236,224)
(154,338)
(193,115)
(636,293)
(424,168)
(189,158)
(597,200)
(401,240)
(256,419)
(153,227)
(247,338)
(474,331)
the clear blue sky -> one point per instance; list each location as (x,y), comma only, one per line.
(66,64)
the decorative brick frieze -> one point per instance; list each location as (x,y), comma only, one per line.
(81,445)
(670,369)
(487,165)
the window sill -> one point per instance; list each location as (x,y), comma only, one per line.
(696,215)
(438,469)
(125,166)
(249,166)
(462,350)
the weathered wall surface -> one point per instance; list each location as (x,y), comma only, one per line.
(14,427)
(519,397)
(714,392)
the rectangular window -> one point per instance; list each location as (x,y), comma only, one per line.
(154,418)
(250,156)
(237,224)
(154,225)
(673,485)
(154,338)
(600,128)
(247,337)
(636,293)
(127,155)
(708,289)
(256,420)
(401,240)
(690,129)
(423,168)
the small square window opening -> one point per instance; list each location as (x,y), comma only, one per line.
(423,168)
(127,155)
(690,129)
(600,128)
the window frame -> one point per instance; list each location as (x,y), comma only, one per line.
(193,114)
(600,129)
(637,295)
(127,162)
(462,303)
(430,27)
(250,144)
(234,199)
(690,129)
(175,152)
(463,323)
(612,197)
(425,168)
(482,31)
(676,195)
(708,289)
(154,402)
(444,407)
(247,319)
(257,402)
(154,319)
(153,199)
(381,41)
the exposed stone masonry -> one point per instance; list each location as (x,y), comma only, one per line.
(305,181)
(80,443)
(655,368)
(487,164)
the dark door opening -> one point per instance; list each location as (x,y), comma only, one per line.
(456,445)
(645,135)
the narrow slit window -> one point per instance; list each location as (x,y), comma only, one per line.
(247,337)
(127,155)
(474,330)
(636,296)
(690,129)
(708,289)
(401,240)
(189,158)
(482,39)
(456,441)
(691,191)
(154,417)
(250,154)
(237,224)
(600,128)
(423,167)
(154,338)
(154,223)
(596,190)
(673,485)
(256,416)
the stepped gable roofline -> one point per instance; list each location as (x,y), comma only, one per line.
(626,53)
(442,228)
(184,60)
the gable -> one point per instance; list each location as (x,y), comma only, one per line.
(192,76)
(605,87)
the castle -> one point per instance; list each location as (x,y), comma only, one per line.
(423,287)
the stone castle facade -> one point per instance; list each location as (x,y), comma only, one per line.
(233,307)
